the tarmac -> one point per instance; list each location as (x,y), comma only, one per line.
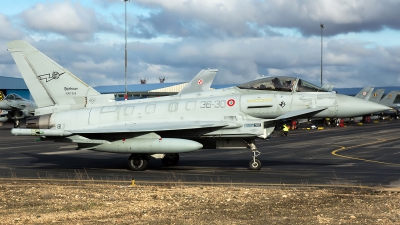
(358,155)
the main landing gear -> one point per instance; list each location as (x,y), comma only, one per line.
(170,159)
(140,162)
(255,164)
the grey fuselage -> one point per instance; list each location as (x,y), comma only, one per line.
(243,109)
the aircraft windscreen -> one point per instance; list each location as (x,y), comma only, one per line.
(304,86)
(13,97)
(270,83)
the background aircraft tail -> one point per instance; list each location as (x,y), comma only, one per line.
(328,86)
(49,83)
(377,95)
(365,93)
(389,98)
(201,82)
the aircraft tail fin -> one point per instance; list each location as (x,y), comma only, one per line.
(377,95)
(389,98)
(49,83)
(365,93)
(201,82)
(328,86)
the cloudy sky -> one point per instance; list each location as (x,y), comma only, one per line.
(242,38)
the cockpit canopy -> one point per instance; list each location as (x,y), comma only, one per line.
(287,84)
(13,97)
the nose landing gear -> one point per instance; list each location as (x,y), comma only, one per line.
(255,164)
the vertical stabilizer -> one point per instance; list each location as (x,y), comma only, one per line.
(389,98)
(377,95)
(328,86)
(201,82)
(365,93)
(49,83)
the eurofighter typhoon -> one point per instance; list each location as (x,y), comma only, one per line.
(71,111)
(17,108)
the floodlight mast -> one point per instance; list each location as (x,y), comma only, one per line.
(322,27)
(126,57)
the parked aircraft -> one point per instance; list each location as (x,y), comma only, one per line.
(3,113)
(17,107)
(388,100)
(69,110)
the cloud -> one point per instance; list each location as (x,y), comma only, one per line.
(67,18)
(243,39)
(8,31)
(247,18)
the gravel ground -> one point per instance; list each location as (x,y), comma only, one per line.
(49,202)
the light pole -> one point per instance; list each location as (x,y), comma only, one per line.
(322,27)
(126,57)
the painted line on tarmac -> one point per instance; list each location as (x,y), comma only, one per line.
(334,152)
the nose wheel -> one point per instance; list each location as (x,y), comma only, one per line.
(255,164)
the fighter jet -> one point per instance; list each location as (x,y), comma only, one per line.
(388,100)
(71,111)
(17,107)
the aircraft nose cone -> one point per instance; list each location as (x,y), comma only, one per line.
(4,105)
(350,106)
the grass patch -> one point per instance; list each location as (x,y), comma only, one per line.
(44,202)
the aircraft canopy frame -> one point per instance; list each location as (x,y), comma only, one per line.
(282,83)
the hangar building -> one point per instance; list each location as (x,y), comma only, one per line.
(14,85)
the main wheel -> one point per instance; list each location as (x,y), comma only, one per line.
(255,165)
(170,159)
(138,162)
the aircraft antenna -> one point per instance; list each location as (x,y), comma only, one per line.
(126,57)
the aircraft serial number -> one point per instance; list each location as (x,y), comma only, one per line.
(213,104)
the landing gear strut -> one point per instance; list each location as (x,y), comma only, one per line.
(255,164)
(170,159)
(138,162)
(16,123)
